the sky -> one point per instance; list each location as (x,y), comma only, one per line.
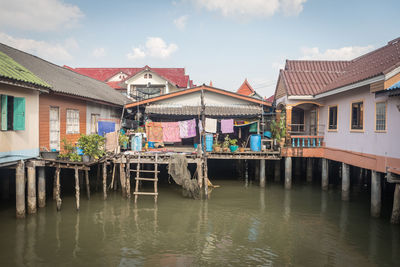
(223,41)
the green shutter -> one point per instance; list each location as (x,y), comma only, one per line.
(19,113)
(4,113)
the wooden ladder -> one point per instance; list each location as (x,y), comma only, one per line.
(154,180)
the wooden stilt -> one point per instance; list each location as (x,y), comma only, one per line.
(128,177)
(31,189)
(288,173)
(77,189)
(137,179)
(199,173)
(55,185)
(262,173)
(122,178)
(375,194)
(41,187)
(58,197)
(20,190)
(345,182)
(325,173)
(113,176)
(396,206)
(205,178)
(87,184)
(105,180)
(156,179)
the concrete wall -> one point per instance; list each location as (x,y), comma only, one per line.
(368,141)
(107,113)
(22,143)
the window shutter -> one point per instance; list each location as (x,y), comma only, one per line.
(19,113)
(4,112)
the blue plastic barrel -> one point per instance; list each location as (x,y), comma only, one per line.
(137,143)
(209,142)
(255,142)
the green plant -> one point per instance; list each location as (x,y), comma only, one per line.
(226,142)
(69,152)
(233,142)
(123,139)
(92,145)
(278,128)
(216,143)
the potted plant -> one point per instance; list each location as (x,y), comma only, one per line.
(123,140)
(92,146)
(242,148)
(233,147)
(69,152)
(217,146)
(226,143)
(278,130)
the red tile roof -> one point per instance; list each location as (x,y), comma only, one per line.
(246,89)
(311,77)
(270,99)
(116,85)
(174,75)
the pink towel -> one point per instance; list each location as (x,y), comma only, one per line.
(187,128)
(171,132)
(227,126)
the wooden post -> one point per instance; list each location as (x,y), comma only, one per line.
(206,178)
(105,180)
(77,189)
(277,171)
(128,177)
(20,190)
(199,173)
(325,179)
(58,197)
(309,170)
(31,189)
(55,185)
(396,206)
(202,144)
(156,177)
(288,173)
(87,184)
(375,194)
(41,187)
(345,182)
(122,177)
(262,173)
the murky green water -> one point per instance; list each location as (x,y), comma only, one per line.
(238,226)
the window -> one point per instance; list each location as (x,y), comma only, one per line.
(145,76)
(332,120)
(12,113)
(72,121)
(357,112)
(380,116)
(150,76)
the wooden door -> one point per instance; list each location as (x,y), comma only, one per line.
(54,128)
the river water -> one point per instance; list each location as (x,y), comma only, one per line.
(238,226)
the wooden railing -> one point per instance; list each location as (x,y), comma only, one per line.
(310,141)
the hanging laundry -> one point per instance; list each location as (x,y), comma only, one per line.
(227,126)
(171,132)
(187,129)
(154,132)
(200,126)
(211,125)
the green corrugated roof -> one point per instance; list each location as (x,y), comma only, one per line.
(13,70)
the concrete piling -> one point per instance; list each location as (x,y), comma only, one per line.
(375,194)
(41,187)
(77,189)
(262,173)
(325,178)
(345,182)
(396,206)
(288,173)
(20,190)
(31,189)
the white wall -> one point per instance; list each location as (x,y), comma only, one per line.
(107,113)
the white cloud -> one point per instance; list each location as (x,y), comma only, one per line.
(344,53)
(180,22)
(136,53)
(53,52)
(155,47)
(253,8)
(99,52)
(38,15)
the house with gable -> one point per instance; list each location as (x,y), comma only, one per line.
(140,83)
(344,111)
(246,89)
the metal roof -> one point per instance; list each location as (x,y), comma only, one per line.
(14,71)
(226,110)
(65,81)
(394,86)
